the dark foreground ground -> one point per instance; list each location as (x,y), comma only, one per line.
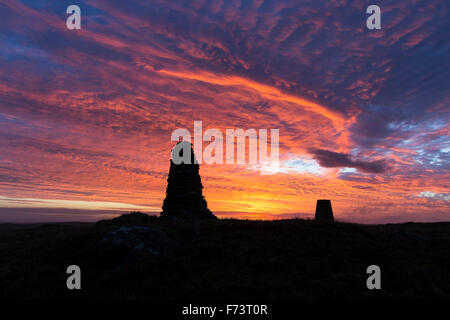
(229,259)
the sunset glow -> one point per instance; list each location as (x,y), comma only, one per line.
(86,115)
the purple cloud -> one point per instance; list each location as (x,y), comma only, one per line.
(330,159)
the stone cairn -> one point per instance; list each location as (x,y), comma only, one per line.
(324,212)
(184,196)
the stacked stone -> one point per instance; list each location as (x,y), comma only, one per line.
(184,196)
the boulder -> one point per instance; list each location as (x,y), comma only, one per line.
(131,242)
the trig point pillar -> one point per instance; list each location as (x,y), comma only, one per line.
(324,211)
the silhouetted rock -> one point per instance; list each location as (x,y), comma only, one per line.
(184,196)
(133,242)
(324,212)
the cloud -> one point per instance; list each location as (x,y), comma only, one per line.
(330,159)
(437,196)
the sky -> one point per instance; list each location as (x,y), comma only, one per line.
(86,115)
